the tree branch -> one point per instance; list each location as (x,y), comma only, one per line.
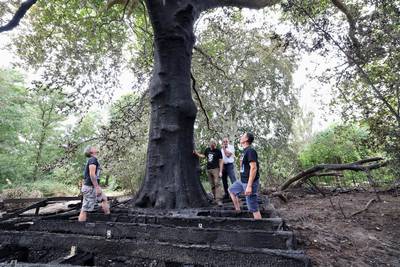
(14,22)
(317,169)
(254,4)
(209,58)
(200,102)
(352,24)
(370,202)
(356,62)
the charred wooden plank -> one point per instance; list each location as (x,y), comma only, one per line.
(24,264)
(49,199)
(79,258)
(232,213)
(19,226)
(270,224)
(184,235)
(214,255)
(30,200)
(42,203)
(13,252)
(194,212)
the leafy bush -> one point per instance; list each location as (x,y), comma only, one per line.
(337,145)
(40,188)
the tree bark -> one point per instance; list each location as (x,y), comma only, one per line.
(172,171)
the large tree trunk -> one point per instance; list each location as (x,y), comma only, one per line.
(172,172)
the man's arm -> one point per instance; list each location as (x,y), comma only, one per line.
(227,152)
(198,154)
(221,167)
(93,178)
(252,176)
(92,173)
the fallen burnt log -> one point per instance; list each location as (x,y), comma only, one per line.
(364,165)
(318,170)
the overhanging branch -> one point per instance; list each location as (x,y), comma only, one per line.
(352,25)
(14,22)
(356,62)
(209,58)
(319,169)
(200,102)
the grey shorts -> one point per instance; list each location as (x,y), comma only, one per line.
(238,188)
(90,199)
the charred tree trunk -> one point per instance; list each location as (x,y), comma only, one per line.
(172,172)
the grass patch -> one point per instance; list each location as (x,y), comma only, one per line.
(37,189)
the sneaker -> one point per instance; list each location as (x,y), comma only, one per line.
(219,203)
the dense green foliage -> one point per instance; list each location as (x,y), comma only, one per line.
(30,121)
(363,37)
(37,142)
(41,150)
(242,71)
(341,144)
(337,145)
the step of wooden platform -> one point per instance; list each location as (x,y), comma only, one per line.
(177,234)
(211,236)
(212,255)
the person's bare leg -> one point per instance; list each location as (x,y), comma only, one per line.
(82,216)
(257,215)
(105,206)
(235,200)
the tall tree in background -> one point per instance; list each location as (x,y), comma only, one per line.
(47,107)
(29,128)
(12,124)
(363,37)
(244,80)
(124,140)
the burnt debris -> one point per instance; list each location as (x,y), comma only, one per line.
(148,237)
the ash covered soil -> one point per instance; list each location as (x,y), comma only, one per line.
(330,236)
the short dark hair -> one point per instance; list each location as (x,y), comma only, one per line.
(88,151)
(250,137)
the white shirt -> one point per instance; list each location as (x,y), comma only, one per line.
(230,159)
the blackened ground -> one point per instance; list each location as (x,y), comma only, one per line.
(371,238)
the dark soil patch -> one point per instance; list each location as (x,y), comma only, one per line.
(371,238)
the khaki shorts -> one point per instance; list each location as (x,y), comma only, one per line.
(90,199)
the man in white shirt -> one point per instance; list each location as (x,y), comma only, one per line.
(228,156)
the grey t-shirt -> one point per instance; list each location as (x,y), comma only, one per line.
(86,173)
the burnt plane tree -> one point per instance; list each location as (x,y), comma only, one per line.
(86,40)
(172,172)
